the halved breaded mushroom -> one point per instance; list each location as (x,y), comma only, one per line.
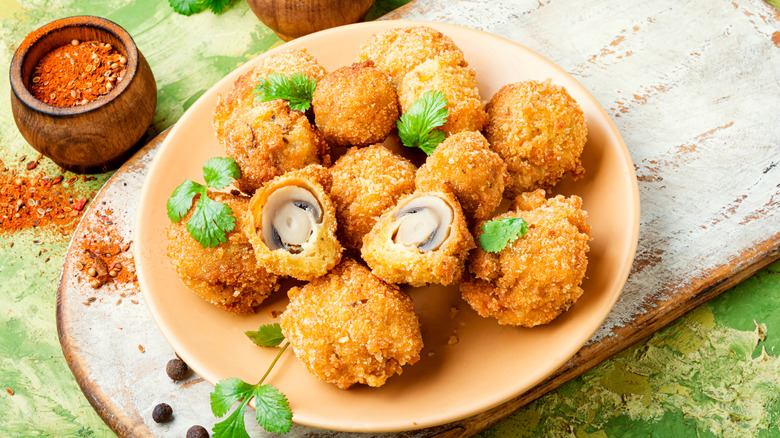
(423,239)
(291,223)
(228,275)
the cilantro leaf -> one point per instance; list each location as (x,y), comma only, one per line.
(417,126)
(272,409)
(497,233)
(219,172)
(227,392)
(268,335)
(188,7)
(180,201)
(297,89)
(233,426)
(210,222)
(217,6)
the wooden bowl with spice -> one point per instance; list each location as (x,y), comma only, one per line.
(82,93)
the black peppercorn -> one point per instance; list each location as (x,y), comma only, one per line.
(197,432)
(162,413)
(176,369)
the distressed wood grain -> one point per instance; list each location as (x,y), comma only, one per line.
(693,89)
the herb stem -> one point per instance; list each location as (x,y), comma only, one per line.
(278,355)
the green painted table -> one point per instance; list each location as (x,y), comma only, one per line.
(713,372)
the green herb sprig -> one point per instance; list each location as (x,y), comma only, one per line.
(272,410)
(189,7)
(417,126)
(497,233)
(297,89)
(211,220)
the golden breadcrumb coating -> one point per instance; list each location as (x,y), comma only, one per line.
(271,139)
(477,174)
(322,250)
(537,277)
(395,262)
(240,97)
(355,105)
(398,51)
(367,182)
(450,74)
(540,131)
(351,327)
(228,275)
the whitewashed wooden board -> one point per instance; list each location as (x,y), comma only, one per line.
(694,88)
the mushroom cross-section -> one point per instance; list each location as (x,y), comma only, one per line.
(423,223)
(290,217)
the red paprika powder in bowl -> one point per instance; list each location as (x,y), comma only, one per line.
(82,93)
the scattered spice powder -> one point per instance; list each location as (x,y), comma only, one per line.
(77,73)
(104,256)
(37,201)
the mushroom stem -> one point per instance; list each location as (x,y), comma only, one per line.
(423,223)
(289,218)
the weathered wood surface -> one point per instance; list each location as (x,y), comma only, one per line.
(693,89)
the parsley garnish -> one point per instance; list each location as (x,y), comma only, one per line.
(417,126)
(497,234)
(297,89)
(211,220)
(189,7)
(272,409)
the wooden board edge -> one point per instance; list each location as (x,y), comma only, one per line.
(114,416)
(591,355)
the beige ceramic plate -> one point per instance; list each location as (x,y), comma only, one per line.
(490,364)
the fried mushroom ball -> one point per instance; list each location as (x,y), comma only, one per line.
(536,277)
(367,182)
(398,51)
(291,223)
(450,74)
(540,131)
(240,97)
(355,105)
(423,239)
(269,140)
(477,174)
(228,275)
(351,327)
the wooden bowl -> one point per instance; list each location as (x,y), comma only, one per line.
(291,19)
(99,135)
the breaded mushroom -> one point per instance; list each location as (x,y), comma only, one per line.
(351,327)
(228,275)
(398,51)
(367,182)
(291,223)
(540,131)
(536,277)
(450,74)
(269,140)
(240,98)
(477,174)
(423,239)
(355,105)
